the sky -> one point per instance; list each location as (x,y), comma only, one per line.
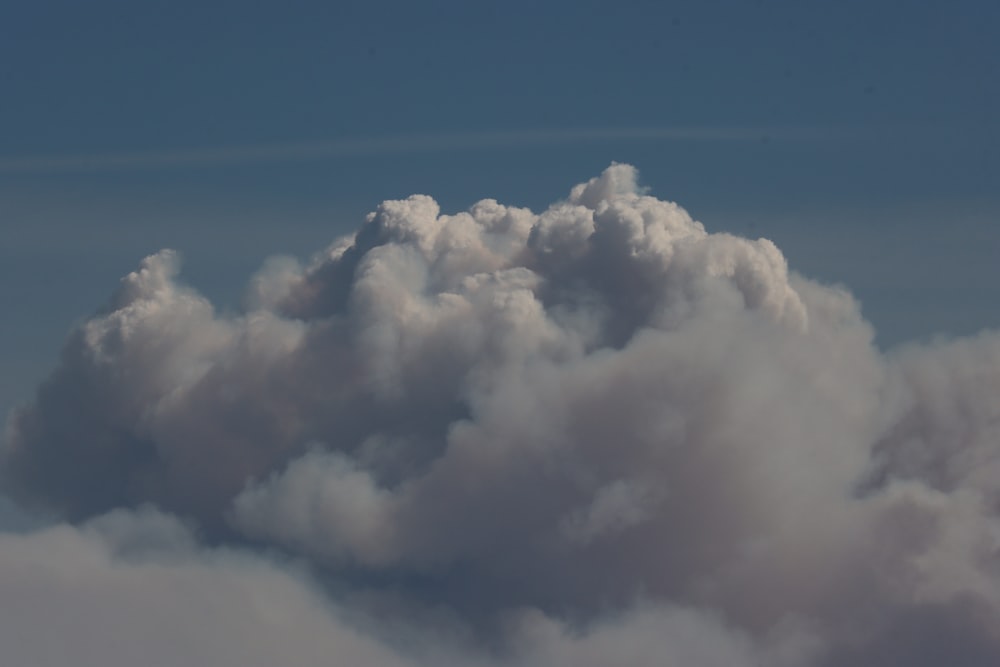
(233,132)
(192,359)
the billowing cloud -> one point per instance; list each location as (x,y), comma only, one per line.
(134,589)
(596,434)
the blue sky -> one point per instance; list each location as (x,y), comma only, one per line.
(862,137)
(474,439)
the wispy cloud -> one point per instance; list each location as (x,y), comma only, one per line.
(373,146)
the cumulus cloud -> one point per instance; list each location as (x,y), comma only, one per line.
(135,587)
(131,589)
(595,434)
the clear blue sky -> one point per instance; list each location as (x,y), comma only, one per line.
(862,137)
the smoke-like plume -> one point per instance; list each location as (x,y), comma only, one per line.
(593,435)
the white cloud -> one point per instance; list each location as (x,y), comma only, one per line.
(598,430)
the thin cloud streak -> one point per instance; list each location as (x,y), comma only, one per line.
(393,145)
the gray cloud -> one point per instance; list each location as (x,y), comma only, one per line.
(508,437)
(136,588)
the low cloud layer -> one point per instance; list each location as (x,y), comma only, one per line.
(596,435)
